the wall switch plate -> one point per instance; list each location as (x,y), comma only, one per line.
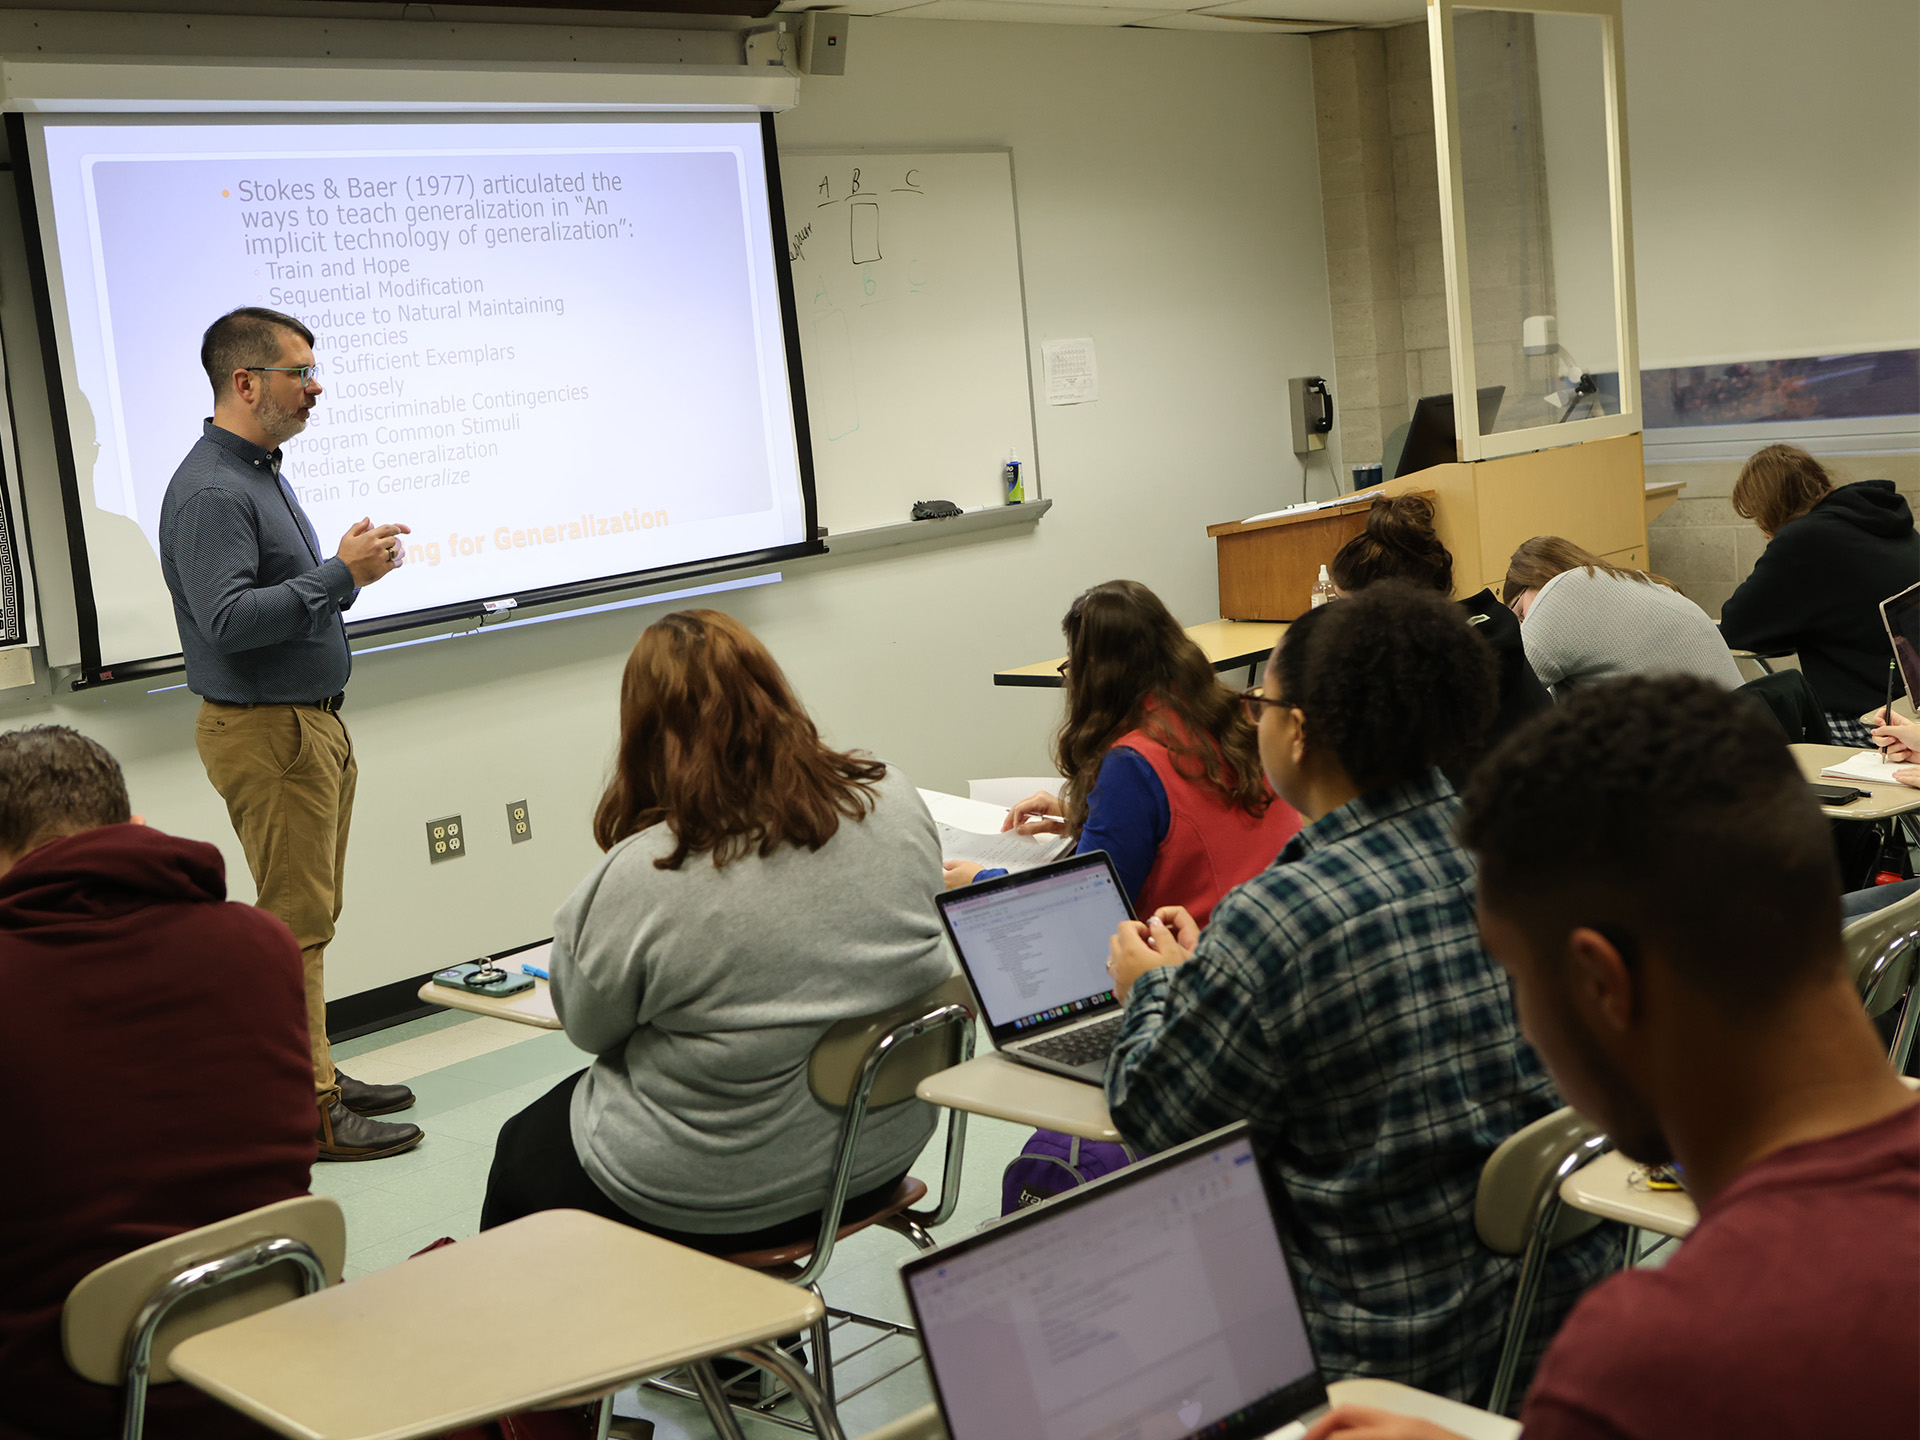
(446,839)
(519,823)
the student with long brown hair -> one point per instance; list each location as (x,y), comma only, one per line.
(758,886)
(1162,767)
(1584,619)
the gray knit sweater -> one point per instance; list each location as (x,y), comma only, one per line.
(702,992)
(1584,627)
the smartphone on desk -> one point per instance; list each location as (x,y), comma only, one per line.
(460,977)
(1837,794)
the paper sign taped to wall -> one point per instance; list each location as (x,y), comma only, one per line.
(1073,376)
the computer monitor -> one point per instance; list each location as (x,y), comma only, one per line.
(1433,438)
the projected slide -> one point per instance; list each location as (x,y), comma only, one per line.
(554,350)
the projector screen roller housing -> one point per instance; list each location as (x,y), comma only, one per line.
(559,350)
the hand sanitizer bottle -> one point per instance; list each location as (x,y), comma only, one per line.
(1322,589)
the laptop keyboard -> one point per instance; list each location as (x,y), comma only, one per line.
(1085,1046)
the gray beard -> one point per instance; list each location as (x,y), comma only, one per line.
(280,423)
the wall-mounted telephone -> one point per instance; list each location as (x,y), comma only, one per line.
(1311,405)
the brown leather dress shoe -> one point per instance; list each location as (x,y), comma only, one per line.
(347,1136)
(364,1099)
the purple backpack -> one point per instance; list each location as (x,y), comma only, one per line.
(1051,1163)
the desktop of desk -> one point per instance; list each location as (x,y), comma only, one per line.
(1660,496)
(1227,644)
(529,1007)
(1881,801)
(549,1308)
(1608,1187)
(1004,1089)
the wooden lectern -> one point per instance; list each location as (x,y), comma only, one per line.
(1593,494)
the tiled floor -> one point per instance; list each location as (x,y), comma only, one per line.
(470,1074)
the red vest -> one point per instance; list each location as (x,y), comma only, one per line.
(1211,844)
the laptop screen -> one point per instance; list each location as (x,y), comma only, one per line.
(1035,944)
(1902,614)
(1154,1305)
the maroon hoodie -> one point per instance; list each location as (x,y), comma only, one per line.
(153,1054)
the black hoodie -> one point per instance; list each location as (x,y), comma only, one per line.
(1817,589)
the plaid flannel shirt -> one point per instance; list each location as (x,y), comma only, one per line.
(1342,1003)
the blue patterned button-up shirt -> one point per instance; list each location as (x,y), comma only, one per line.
(1342,1003)
(257,605)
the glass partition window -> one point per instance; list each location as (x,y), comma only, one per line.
(1533,187)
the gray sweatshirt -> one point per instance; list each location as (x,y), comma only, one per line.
(702,992)
(1585,627)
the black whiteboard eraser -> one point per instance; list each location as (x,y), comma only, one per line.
(935,510)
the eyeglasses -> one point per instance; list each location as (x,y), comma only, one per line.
(302,373)
(1253,700)
(1061,668)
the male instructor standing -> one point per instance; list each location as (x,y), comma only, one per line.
(259,616)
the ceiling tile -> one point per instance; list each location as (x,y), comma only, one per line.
(1037,12)
(1328,12)
(851,7)
(1234,24)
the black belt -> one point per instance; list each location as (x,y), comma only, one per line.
(331,704)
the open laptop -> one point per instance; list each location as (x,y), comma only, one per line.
(1901,614)
(1153,1304)
(1034,946)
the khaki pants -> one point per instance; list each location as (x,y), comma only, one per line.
(287,774)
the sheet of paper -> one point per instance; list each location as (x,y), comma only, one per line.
(1007,791)
(1001,852)
(1307,507)
(962,814)
(970,830)
(1868,765)
(1073,374)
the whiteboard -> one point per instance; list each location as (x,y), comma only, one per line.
(913,329)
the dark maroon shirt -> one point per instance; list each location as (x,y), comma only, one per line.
(153,1054)
(1791,1312)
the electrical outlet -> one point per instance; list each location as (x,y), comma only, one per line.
(446,839)
(519,822)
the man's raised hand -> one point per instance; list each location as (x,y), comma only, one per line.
(371,551)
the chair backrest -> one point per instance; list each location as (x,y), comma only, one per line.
(1794,706)
(834,1068)
(101,1310)
(1515,1179)
(1882,949)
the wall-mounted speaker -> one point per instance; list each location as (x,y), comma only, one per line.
(823,42)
